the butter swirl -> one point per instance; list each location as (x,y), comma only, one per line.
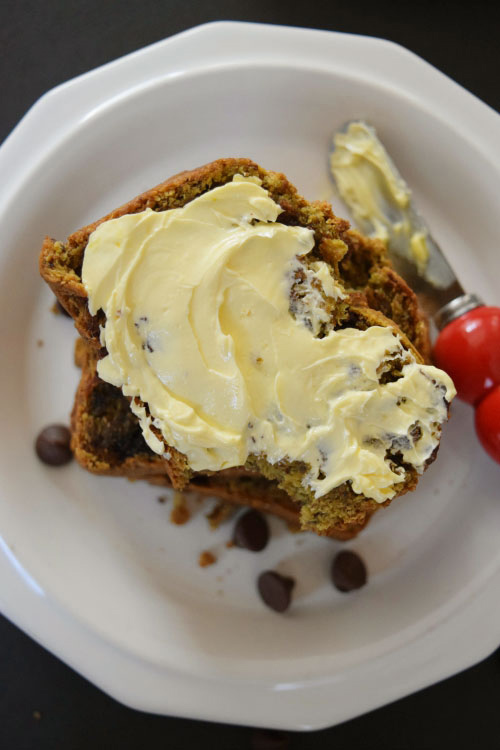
(200,334)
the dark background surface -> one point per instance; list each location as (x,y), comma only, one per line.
(44,704)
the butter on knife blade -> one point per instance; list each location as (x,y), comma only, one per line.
(381,204)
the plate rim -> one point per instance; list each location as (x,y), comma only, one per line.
(72,640)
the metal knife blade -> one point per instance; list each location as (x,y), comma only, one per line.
(381,204)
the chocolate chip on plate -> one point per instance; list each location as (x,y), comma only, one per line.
(275,590)
(348,571)
(251,531)
(52,445)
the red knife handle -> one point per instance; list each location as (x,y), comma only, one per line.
(468,349)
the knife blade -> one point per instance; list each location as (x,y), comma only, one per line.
(382,206)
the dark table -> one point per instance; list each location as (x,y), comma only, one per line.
(43,703)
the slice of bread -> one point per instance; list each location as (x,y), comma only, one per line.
(376,295)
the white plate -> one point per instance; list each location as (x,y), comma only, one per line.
(91,567)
